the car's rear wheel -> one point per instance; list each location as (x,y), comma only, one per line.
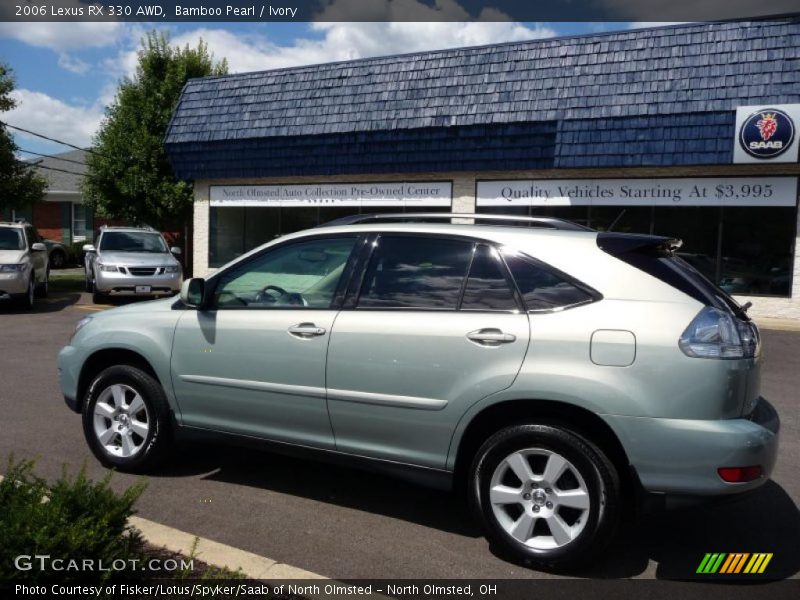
(126,419)
(546,495)
(58,259)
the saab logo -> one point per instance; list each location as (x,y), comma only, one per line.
(734,563)
(766,133)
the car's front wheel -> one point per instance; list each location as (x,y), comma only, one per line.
(546,495)
(126,419)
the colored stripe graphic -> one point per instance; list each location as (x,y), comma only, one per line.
(734,563)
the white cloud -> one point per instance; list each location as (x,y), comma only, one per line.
(73,64)
(345,41)
(49,116)
(61,36)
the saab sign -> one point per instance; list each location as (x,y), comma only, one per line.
(767,133)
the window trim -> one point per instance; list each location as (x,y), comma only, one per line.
(594,295)
(213,282)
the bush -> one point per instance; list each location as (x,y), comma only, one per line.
(75,253)
(74,519)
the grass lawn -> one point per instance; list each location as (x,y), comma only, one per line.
(67,280)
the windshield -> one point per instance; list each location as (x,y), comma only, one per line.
(132,241)
(11,239)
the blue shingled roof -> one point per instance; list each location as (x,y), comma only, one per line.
(675,70)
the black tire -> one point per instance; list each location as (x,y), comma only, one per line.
(599,476)
(58,260)
(43,289)
(25,301)
(158,440)
(98,298)
(89,282)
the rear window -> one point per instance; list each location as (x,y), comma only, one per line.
(653,255)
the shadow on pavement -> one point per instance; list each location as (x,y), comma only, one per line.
(766,520)
(54,303)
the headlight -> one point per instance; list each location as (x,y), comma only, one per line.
(108,268)
(172,269)
(80,325)
(13,268)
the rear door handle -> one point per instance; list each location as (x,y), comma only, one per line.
(306,330)
(490,337)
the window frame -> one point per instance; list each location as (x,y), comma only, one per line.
(213,282)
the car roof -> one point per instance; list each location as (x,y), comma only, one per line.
(128,230)
(10,224)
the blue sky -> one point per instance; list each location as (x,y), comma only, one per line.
(68,72)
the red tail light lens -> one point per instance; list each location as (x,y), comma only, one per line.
(739,474)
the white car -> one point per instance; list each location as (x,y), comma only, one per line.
(24,266)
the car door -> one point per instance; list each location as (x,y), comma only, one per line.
(435,326)
(253,363)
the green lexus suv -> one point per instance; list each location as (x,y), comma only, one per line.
(550,372)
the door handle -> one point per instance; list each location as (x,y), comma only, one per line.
(306,330)
(490,337)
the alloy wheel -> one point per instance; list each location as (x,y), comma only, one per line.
(539,498)
(121,420)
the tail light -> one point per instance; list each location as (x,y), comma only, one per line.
(715,333)
(739,474)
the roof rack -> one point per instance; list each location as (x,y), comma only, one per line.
(547,222)
(141,227)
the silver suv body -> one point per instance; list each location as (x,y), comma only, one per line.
(129,261)
(24,267)
(551,370)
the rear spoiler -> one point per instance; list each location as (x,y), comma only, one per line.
(624,243)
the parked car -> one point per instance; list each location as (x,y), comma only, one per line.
(553,374)
(56,252)
(24,269)
(130,261)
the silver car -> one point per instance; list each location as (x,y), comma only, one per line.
(24,268)
(551,373)
(131,261)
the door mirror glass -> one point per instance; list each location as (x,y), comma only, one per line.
(88,248)
(39,247)
(193,291)
(175,250)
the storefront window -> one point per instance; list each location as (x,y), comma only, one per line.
(624,219)
(698,227)
(757,250)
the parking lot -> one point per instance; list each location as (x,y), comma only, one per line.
(347,524)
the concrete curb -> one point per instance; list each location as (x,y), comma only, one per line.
(214,553)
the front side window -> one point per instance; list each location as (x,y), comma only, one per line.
(416,272)
(11,239)
(542,289)
(300,275)
(132,241)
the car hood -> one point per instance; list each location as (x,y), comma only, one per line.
(10,257)
(137,259)
(149,306)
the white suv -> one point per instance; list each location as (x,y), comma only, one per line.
(24,267)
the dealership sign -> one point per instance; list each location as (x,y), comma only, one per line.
(393,193)
(697,191)
(767,133)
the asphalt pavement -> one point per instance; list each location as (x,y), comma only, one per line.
(343,523)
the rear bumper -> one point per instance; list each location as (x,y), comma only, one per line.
(680,457)
(69,365)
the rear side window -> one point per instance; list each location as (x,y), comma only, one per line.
(487,286)
(415,272)
(543,289)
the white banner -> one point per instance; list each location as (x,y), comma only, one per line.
(400,194)
(699,191)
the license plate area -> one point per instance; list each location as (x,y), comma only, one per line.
(142,289)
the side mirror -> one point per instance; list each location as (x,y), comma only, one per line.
(193,292)
(38,247)
(89,248)
(176,251)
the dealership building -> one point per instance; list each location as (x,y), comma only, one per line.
(688,131)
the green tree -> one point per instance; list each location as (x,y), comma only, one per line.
(129,176)
(20,185)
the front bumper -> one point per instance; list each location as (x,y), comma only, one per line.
(124,284)
(12,284)
(69,363)
(681,456)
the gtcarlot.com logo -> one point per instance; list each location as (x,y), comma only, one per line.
(734,563)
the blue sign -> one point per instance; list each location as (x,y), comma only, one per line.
(767,133)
